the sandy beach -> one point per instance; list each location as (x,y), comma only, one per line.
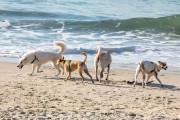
(44,96)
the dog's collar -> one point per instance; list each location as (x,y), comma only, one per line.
(35,58)
(156,72)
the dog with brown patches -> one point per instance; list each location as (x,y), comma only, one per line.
(149,68)
(72,65)
(104,60)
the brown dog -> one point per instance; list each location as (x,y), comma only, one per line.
(72,65)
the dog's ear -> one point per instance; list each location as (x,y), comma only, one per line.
(160,62)
(163,63)
(61,59)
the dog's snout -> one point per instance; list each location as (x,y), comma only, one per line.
(20,67)
(165,67)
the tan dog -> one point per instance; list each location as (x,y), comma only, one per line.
(149,68)
(72,65)
(104,60)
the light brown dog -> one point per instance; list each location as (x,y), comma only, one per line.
(104,60)
(72,65)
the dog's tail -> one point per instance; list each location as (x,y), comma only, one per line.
(83,53)
(140,62)
(99,51)
(96,59)
(61,45)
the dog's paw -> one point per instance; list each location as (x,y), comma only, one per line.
(101,76)
(31,74)
(108,81)
(39,71)
(57,75)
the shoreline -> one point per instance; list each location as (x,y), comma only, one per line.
(45,96)
(130,67)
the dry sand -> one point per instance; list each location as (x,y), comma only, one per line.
(44,96)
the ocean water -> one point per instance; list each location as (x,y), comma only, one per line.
(131,30)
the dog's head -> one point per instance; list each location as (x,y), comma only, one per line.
(60,61)
(22,62)
(163,65)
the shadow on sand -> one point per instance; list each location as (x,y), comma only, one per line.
(116,83)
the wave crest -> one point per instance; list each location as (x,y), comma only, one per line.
(169,24)
(4,24)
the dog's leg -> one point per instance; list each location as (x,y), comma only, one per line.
(80,73)
(143,80)
(149,75)
(101,74)
(62,73)
(96,71)
(108,71)
(33,69)
(59,71)
(136,75)
(159,80)
(86,71)
(69,76)
(39,68)
(57,67)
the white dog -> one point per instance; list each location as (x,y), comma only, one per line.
(104,60)
(149,68)
(37,58)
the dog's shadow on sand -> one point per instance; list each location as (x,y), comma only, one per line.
(120,84)
(156,85)
(63,79)
(52,78)
(116,83)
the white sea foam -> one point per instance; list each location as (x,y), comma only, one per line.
(4,24)
(122,33)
